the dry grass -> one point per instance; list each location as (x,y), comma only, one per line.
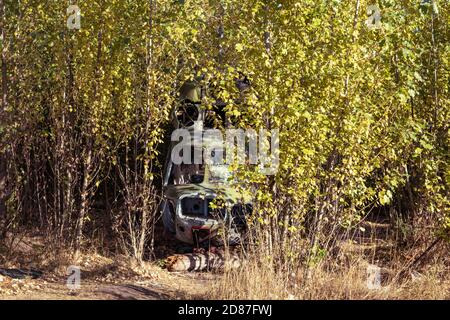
(258,279)
(35,252)
(341,277)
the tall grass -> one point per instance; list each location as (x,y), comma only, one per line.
(343,272)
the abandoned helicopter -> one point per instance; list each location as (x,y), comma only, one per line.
(201,204)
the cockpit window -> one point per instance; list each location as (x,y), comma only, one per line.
(187,113)
(199,207)
(193,207)
(187,174)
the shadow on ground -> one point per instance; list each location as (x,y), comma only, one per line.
(21,273)
(134,292)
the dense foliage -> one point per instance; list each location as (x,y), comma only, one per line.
(363,113)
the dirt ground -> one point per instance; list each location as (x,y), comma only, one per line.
(109,283)
(33,270)
(170,286)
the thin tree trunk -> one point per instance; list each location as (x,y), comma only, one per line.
(145,180)
(3,156)
(84,202)
(435,69)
